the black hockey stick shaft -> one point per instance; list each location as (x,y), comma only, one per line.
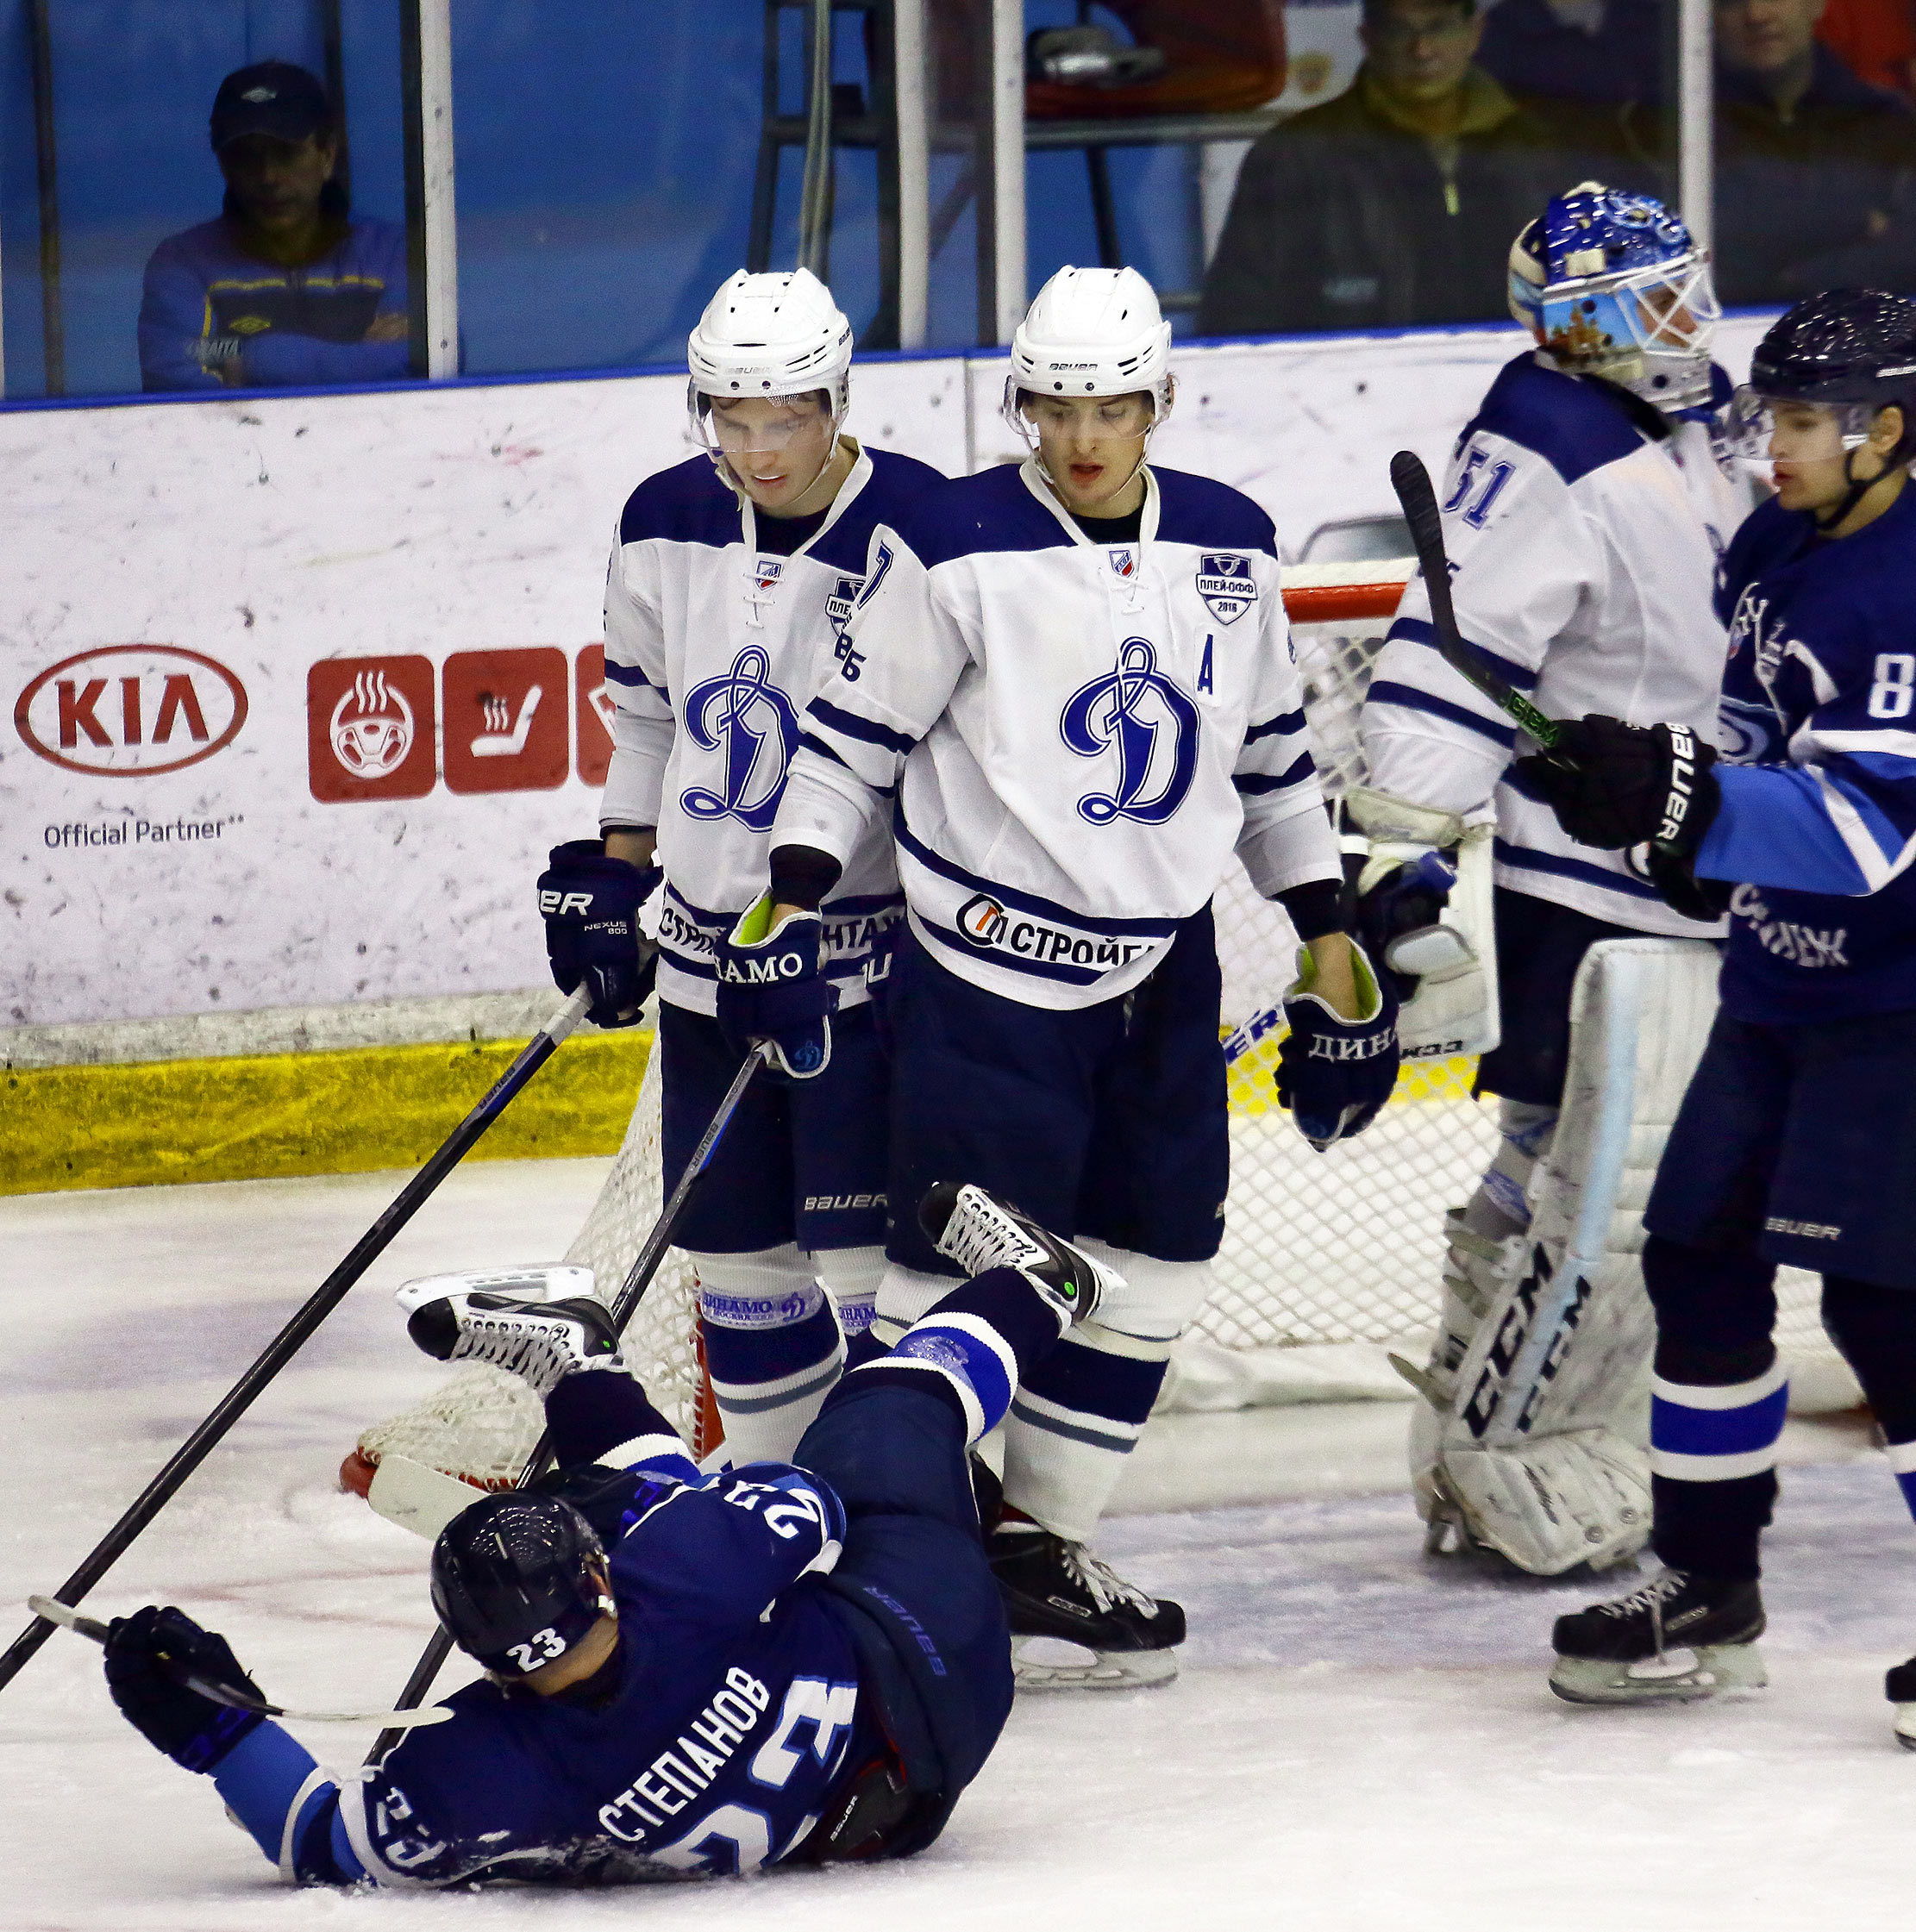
(292,1338)
(625,1303)
(1412,482)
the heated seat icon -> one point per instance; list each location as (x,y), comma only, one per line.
(505,722)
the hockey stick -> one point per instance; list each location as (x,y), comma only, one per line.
(1412,482)
(94,1631)
(645,1265)
(292,1338)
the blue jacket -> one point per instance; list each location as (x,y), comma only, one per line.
(206,303)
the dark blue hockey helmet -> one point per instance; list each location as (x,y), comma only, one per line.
(518,1580)
(1852,350)
(1615,286)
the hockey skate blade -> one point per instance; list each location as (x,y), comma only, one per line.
(418,1498)
(540,1281)
(1713,1670)
(1085,1669)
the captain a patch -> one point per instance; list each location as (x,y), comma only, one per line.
(1225,583)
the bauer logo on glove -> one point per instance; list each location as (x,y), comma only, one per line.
(591,906)
(1334,1074)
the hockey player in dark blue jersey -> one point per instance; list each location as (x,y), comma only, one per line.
(686,1675)
(1793,1144)
(730,583)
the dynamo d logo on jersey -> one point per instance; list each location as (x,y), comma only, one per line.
(1225,583)
(1152,725)
(748,718)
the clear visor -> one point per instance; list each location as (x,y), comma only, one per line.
(1767,429)
(757,425)
(1127,420)
(1665,309)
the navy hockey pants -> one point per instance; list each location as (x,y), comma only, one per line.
(913,1587)
(1109,1121)
(1793,1145)
(803,1160)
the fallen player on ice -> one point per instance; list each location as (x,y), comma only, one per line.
(778,1664)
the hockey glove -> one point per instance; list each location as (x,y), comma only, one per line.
(770,988)
(591,904)
(1613,785)
(147,1655)
(1335,1074)
(1397,904)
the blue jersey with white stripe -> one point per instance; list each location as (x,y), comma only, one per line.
(732,1716)
(1818,823)
(1077,735)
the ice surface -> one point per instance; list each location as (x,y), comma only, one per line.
(1361,1739)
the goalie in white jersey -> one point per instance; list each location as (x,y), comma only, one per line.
(1069,689)
(1584,510)
(730,580)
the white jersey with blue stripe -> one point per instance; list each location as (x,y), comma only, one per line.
(1582,555)
(714,644)
(1076,735)
(1818,820)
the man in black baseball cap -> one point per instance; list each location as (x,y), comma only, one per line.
(287,286)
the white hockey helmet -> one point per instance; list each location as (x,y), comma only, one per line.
(774,335)
(1091,331)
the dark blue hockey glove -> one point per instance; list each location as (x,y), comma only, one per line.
(591,904)
(147,1655)
(1335,1074)
(1401,909)
(770,987)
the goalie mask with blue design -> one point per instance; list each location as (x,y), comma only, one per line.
(1612,285)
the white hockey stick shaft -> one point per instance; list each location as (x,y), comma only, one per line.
(94,1631)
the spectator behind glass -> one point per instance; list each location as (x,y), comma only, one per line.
(1606,52)
(286,286)
(1816,170)
(1390,205)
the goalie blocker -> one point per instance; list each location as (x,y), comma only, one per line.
(1531,1438)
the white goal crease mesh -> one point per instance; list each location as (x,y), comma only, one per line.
(1344,1247)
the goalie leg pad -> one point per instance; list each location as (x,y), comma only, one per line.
(1539,1451)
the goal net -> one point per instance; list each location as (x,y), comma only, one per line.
(1328,1259)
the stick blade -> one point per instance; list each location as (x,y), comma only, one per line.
(419,1498)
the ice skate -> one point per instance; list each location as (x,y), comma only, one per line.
(540,1341)
(980,1230)
(1056,1589)
(1899,1686)
(1680,1638)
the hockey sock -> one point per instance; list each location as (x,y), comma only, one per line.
(1717,1402)
(1081,1413)
(1501,1205)
(593,1416)
(903,1295)
(979,1343)
(853,1275)
(773,1348)
(1876,1329)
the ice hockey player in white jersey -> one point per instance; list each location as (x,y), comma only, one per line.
(1068,691)
(780,1665)
(1584,510)
(730,582)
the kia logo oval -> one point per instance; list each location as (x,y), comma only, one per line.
(131,710)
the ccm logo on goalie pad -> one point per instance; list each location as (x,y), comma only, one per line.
(563,903)
(1511,1332)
